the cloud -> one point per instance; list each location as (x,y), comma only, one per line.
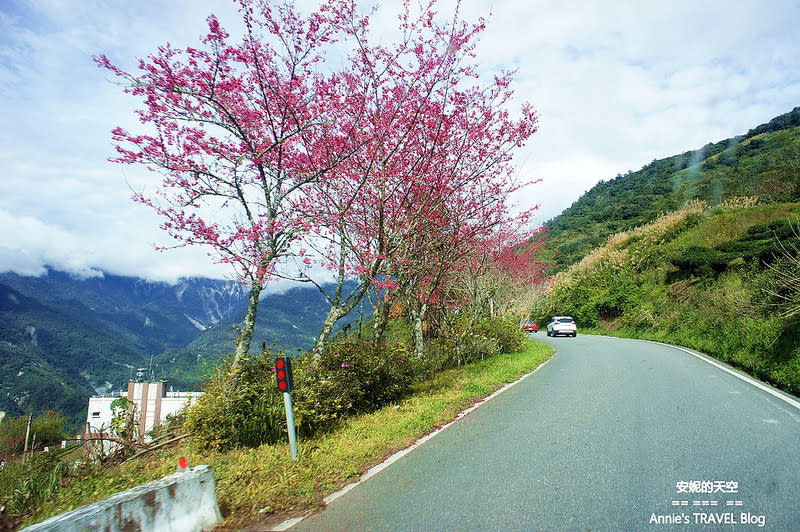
(614,88)
(618,88)
(29,244)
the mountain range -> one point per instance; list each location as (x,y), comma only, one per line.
(63,338)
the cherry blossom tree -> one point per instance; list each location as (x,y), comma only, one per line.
(495,278)
(238,130)
(310,141)
(434,176)
(498,280)
(473,243)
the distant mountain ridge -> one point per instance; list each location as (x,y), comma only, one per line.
(149,315)
(63,338)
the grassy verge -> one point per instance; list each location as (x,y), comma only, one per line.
(264,485)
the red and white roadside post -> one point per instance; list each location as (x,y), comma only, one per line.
(283,374)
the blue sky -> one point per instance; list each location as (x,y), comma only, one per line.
(616,84)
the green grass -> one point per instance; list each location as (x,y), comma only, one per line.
(731,224)
(263,485)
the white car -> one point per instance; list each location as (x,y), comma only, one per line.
(562,325)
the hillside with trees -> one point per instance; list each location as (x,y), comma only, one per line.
(764,162)
(699,249)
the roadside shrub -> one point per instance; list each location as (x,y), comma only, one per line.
(478,346)
(487,338)
(351,375)
(248,414)
(505,330)
(12,434)
(27,483)
(440,353)
(452,351)
(787,374)
(698,261)
(46,428)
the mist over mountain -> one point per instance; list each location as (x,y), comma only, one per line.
(764,162)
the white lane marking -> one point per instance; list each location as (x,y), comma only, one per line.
(746,378)
(289,523)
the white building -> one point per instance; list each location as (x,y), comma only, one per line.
(152,401)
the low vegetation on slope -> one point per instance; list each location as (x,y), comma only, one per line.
(722,280)
(262,484)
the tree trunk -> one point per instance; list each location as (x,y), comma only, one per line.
(339,310)
(327,327)
(380,320)
(417,315)
(249,324)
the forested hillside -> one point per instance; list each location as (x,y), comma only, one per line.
(764,162)
(700,249)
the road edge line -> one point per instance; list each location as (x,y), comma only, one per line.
(739,375)
(374,470)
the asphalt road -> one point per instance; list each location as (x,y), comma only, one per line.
(611,434)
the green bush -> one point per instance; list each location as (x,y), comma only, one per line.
(440,353)
(239,409)
(787,374)
(12,435)
(478,346)
(450,351)
(487,338)
(505,330)
(350,375)
(46,428)
(698,261)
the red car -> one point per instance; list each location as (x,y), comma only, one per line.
(530,326)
